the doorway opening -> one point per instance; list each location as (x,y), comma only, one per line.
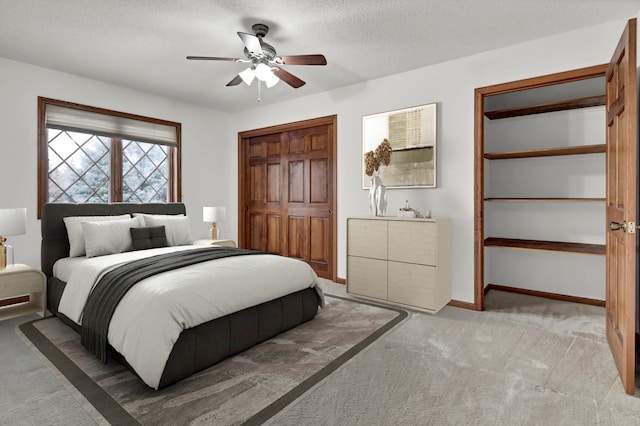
(540,173)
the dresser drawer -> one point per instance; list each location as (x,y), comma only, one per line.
(367,277)
(412,284)
(413,242)
(367,238)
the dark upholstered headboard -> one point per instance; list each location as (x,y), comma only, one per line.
(55,241)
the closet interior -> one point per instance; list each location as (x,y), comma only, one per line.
(542,161)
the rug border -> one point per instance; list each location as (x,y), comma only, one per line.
(114,413)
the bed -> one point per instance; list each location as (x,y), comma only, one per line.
(199,343)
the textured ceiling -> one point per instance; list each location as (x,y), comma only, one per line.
(142,44)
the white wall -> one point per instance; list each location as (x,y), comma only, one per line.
(451,85)
(210,137)
(204,149)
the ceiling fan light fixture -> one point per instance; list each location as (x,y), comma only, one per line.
(247,76)
(272,80)
(263,71)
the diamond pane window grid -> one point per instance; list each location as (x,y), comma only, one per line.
(79,170)
(63,176)
(157,179)
(145,171)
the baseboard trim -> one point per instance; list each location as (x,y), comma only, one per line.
(461,304)
(555,296)
(341,280)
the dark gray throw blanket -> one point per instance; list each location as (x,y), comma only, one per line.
(112,287)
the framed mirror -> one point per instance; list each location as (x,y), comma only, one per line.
(412,135)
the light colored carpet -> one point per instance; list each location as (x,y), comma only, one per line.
(524,361)
(30,394)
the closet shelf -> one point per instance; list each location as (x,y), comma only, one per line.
(548,152)
(592,249)
(590,101)
(546,200)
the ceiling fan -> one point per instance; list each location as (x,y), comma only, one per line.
(265,64)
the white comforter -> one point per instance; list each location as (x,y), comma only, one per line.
(151,316)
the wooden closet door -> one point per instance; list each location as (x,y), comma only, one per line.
(308,196)
(287,192)
(263,218)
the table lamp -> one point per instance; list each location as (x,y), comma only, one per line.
(12,222)
(213,215)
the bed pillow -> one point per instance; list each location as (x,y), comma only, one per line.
(108,237)
(76,234)
(176,227)
(144,216)
(148,237)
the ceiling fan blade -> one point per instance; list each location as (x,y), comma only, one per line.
(251,42)
(304,60)
(288,78)
(236,80)
(211,58)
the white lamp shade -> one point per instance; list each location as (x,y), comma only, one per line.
(213,214)
(263,71)
(247,76)
(13,221)
(271,79)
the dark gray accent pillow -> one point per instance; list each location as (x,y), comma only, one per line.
(149,237)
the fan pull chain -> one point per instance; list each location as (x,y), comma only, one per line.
(259,90)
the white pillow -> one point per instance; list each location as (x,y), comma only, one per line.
(144,216)
(176,227)
(109,237)
(76,234)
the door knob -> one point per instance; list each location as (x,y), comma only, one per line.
(614,226)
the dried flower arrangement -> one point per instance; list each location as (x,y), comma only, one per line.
(380,157)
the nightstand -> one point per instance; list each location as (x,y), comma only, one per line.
(19,280)
(227,243)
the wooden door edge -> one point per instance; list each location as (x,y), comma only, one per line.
(478,201)
(334,237)
(242,190)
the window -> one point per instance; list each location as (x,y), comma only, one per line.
(93,155)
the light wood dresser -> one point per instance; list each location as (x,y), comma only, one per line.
(405,262)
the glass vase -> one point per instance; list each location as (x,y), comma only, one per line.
(381,200)
(377,197)
(373,189)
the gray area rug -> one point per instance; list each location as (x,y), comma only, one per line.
(248,388)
